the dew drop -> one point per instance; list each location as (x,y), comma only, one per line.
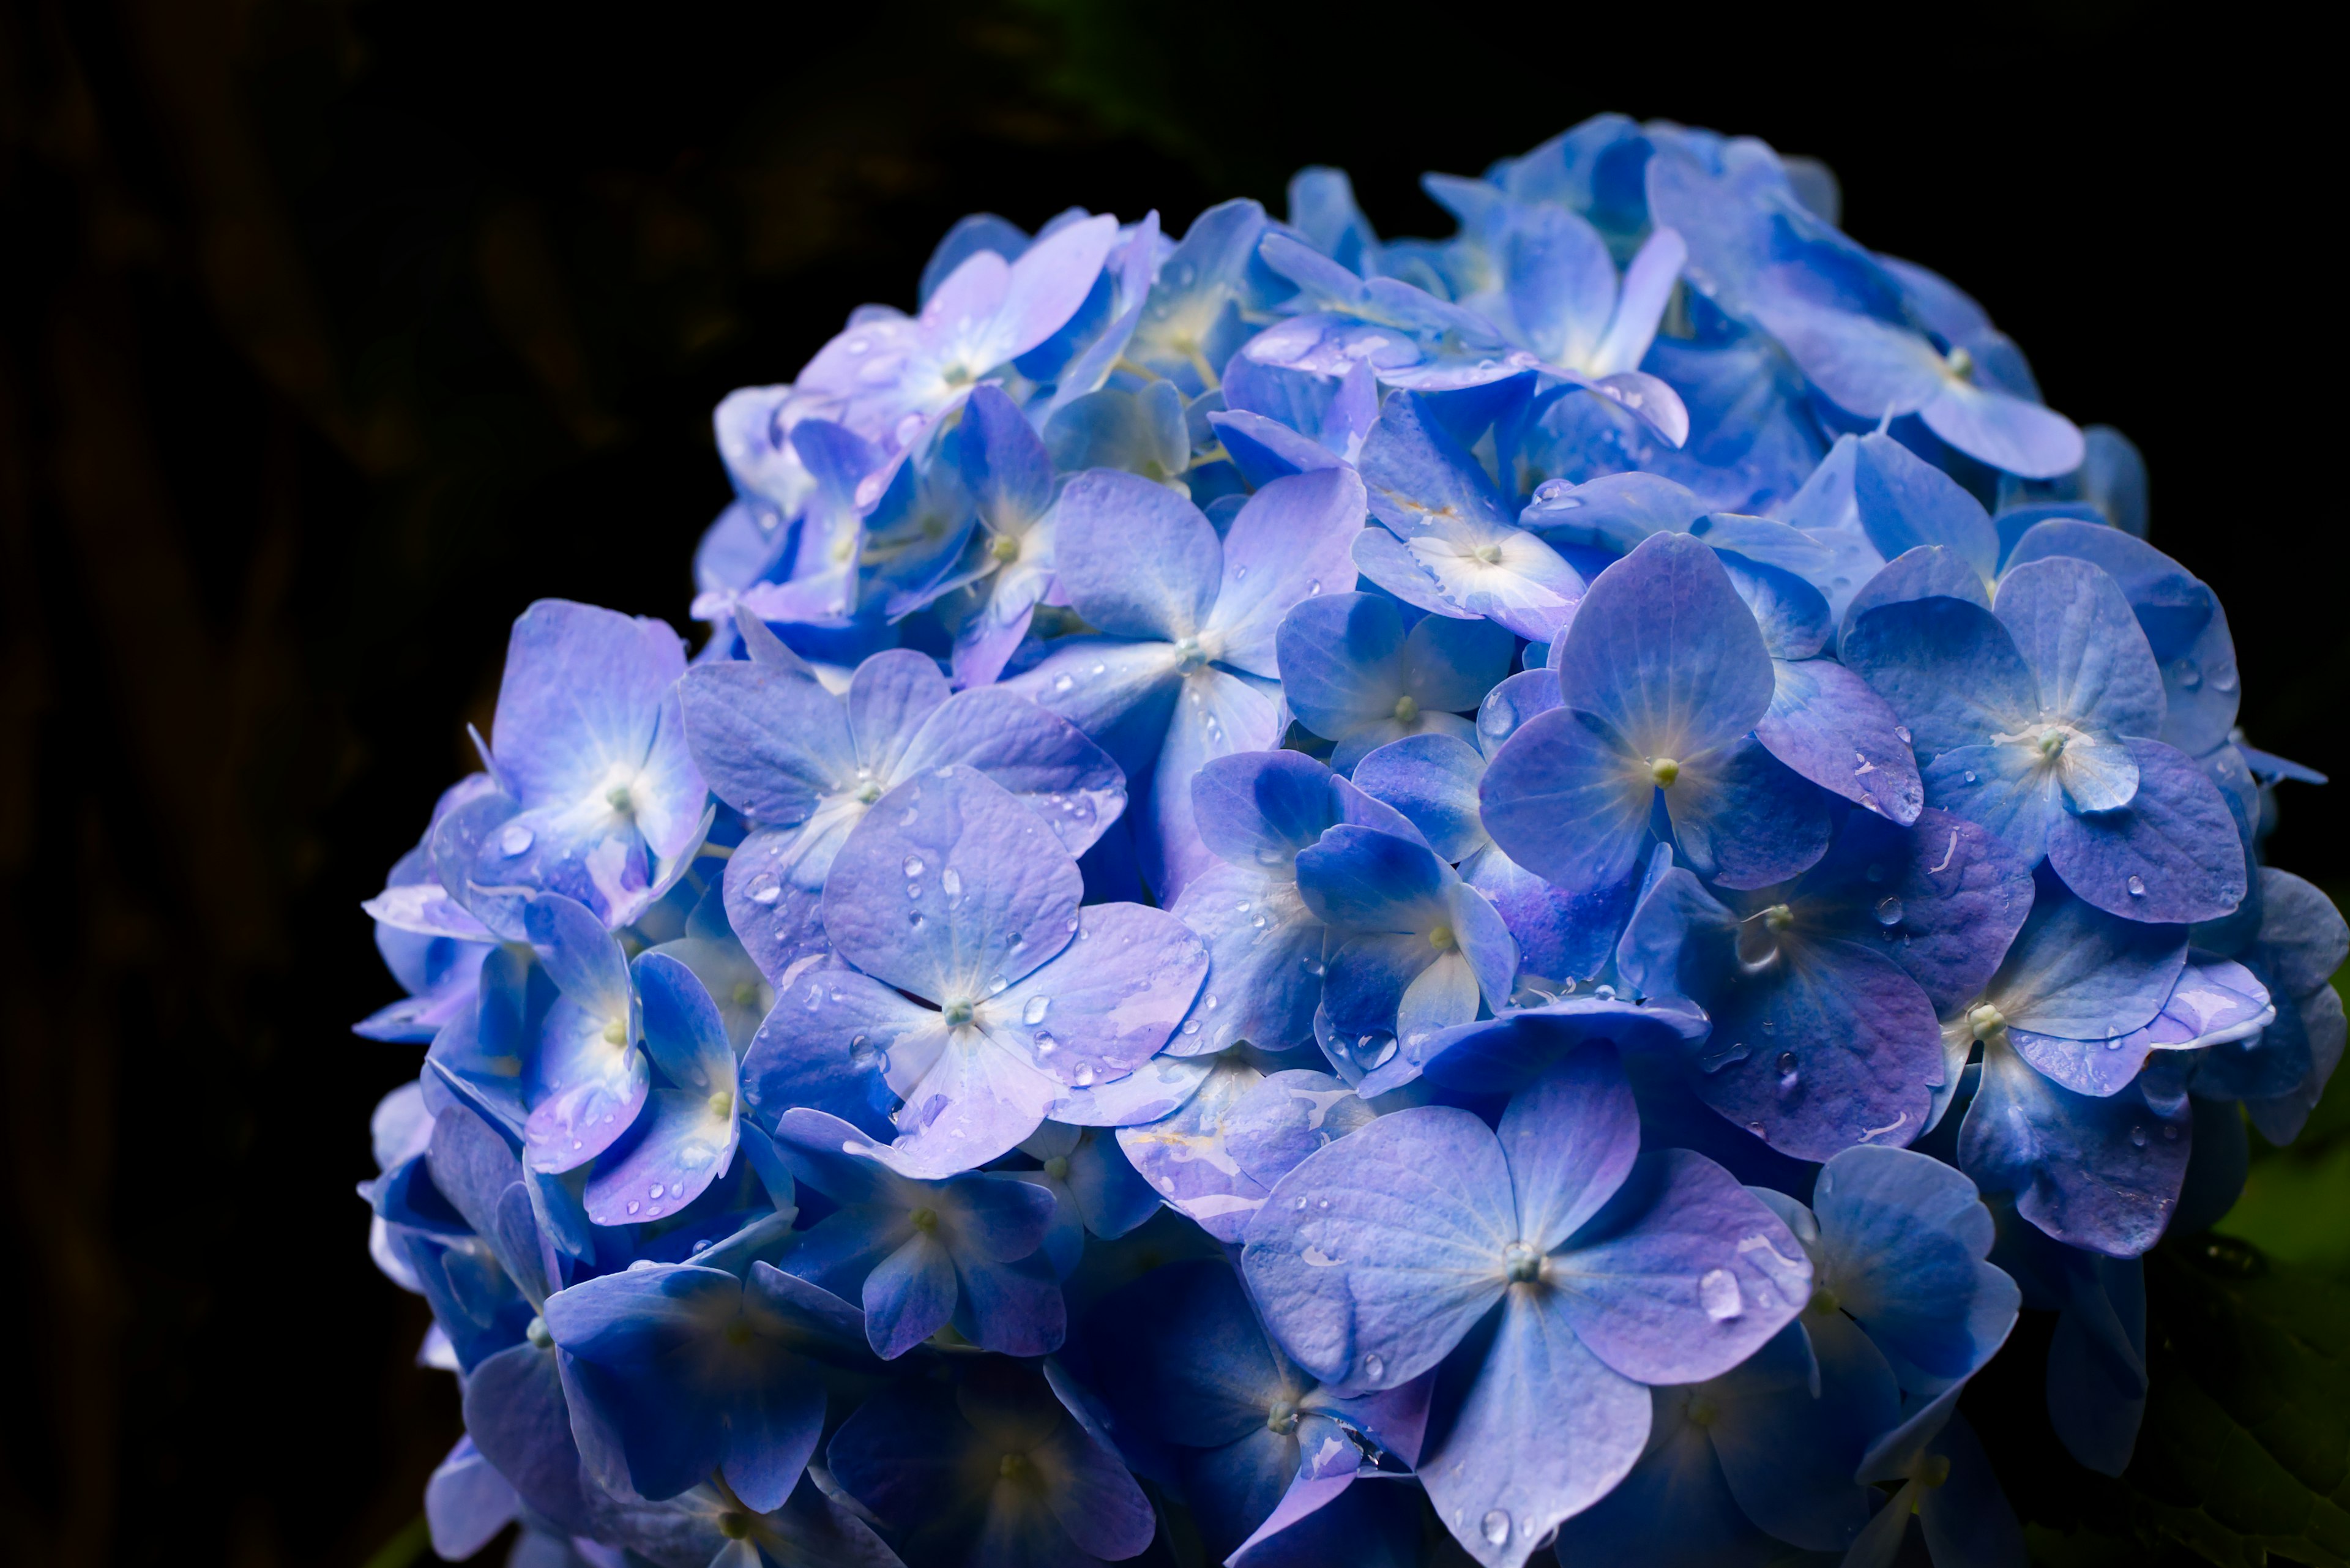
(1721,1057)
(2224,677)
(915,919)
(1084,1076)
(1062,683)
(2171,1132)
(2137,886)
(1497,1527)
(1876,873)
(1969,775)
(765,889)
(1889,911)
(2187,673)
(1717,1292)
(949,883)
(1604,992)
(1190,1026)
(515,840)
(1374,1051)
(1034,1011)
(1901,732)
(914,866)
(1374,1368)
(2137,1138)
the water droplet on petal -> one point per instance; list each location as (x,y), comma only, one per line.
(1084,1076)
(1889,911)
(949,883)
(1902,733)
(1062,683)
(1721,1057)
(2137,1138)
(1496,1527)
(515,840)
(1034,1011)
(1604,992)
(1374,1368)
(1970,775)
(1717,1292)
(914,866)
(765,889)
(915,919)
(1190,1026)
(2137,886)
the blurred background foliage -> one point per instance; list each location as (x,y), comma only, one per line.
(333,332)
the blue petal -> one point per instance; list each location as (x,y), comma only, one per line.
(1949,668)
(2103,1174)
(1746,819)
(1135,558)
(2185,627)
(2077,632)
(1904,502)
(1664,649)
(1265,960)
(949,887)
(1570,1137)
(1288,545)
(2171,855)
(1568,797)
(1433,780)
(517,1414)
(1902,1243)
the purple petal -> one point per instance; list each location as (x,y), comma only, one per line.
(1567,798)
(1182,1156)
(1570,1137)
(1373,1257)
(1290,542)
(1045,761)
(1826,723)
(1682,1275)
(1108,1000)
(1542,1429)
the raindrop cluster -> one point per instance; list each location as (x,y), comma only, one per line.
(1315,899)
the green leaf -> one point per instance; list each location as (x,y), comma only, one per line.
(2246,1447)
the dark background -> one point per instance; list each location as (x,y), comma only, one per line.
(333,332)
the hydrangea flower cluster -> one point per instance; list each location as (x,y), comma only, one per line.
(1324,898)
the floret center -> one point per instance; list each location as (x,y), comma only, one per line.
(957,1011)
(616,1033)
(1522,1262)
(1442,940)
(1189,654)
(1407,709)
(1280,1418)
(1664,770)
(537,1334)
(923,1219)
(1985,1021)
(1778,918)
(1004,548)
(1958,362)
(722,1104)
(869,791)
(1013,1467)
(618,798)
(1489,554)
(735,1526)
(1057,1168)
